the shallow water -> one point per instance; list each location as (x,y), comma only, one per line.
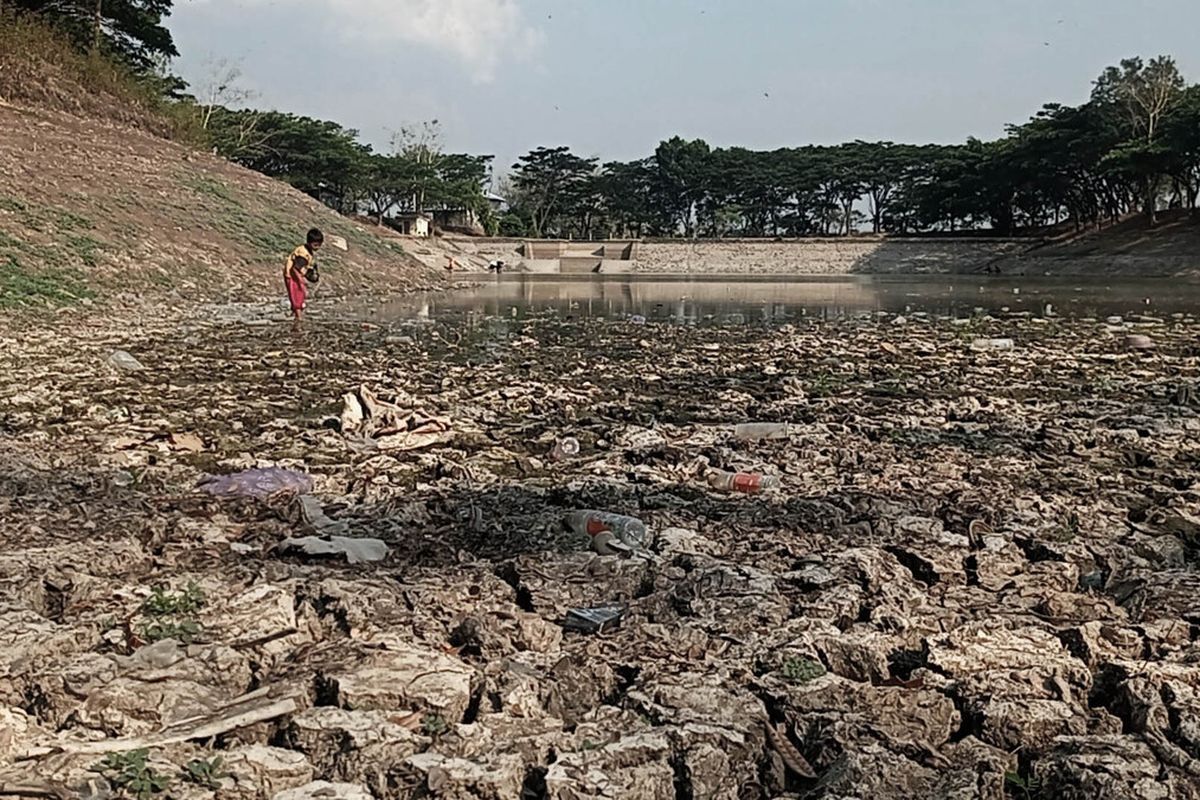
(775,300)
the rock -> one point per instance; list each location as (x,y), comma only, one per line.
(833,715)
(1109,767)
(875,772)
(499,633)
(15,727)
(395,675)
(634,767)
(362,746)
(499,777)
(324,790)
(258,771)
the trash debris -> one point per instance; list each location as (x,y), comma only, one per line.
(389,428)
(608,532)
(743,482)
(310,512)
(992,344)
(754,431)
(356,551)
(187,442)
(567,447)
(1138,341)
(593,620)
(260,482)
(125,362)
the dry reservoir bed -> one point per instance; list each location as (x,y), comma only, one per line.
(976,580)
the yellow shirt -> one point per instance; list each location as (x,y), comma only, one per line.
(298,261)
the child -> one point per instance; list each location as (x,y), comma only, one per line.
(300,264)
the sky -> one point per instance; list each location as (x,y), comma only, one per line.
(612,78)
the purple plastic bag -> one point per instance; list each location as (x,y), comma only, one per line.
(259,482)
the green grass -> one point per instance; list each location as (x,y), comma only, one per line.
(801,670)
(130,773)
(213,188)
(11,204)
(162,603)
(185,631)
(22,286)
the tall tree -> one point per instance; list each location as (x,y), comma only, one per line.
(549,180)
(131,30)
(682,166)
(1145,93)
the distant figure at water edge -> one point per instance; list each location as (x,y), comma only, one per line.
(300,269)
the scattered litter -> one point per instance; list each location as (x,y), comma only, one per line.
(1138,341)
(993,344)
(608,533)
(260,482)
(593,620)
(125,362)
(356,551)
(567,447)
(753,431)
(742,482)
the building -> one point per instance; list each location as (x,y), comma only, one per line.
(465,220)
(411,224)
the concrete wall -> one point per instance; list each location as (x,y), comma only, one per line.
(823,256)
(865,255)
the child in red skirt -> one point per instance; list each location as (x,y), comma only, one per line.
(300,268)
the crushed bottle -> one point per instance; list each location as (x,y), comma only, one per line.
(754,431)
(743,482)
(567,447)
(608,533)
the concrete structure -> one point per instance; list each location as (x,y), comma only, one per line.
(825,256)
(411,224)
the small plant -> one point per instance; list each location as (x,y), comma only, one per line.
(1024,788)
(130,773)
(162,603)
(801,670)
(186,631)
(207,773)
(434,725)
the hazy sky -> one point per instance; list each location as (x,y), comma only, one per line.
(611,78)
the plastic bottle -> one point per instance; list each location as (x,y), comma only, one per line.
(749,431)
(607,532)
(744,482)
(567,447)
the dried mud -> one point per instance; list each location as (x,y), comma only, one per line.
(977,580)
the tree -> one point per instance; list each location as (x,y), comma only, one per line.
(550,180)
(220,90)
(681,167)
(318,157)
(1145,92)
(420,147)
(130,30)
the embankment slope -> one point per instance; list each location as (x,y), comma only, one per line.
(94,208)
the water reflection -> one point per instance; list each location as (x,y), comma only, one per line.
(743,301)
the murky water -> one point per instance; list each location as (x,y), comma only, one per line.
(767,300)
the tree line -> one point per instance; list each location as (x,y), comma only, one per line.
(1133,147)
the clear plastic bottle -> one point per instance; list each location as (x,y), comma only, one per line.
(567,447)
(604,530)
(744,482)
(750,431)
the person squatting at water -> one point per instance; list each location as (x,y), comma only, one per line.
(299,270)
(495,266)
